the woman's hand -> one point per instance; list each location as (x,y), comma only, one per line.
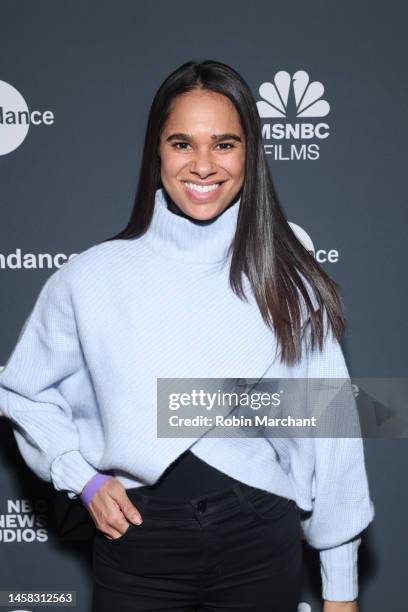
(112,510)
(340,606)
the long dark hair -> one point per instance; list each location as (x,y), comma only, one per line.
(265,247)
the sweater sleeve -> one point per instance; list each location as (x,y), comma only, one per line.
(45,364)
(342,507)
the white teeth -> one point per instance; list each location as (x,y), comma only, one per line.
(202,188)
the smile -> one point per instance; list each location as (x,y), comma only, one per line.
(202,188)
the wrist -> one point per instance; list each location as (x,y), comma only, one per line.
(92,486)
(340,606)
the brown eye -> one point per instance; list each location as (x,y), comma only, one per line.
(175,145)
(228,144)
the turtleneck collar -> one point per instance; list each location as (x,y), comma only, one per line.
(178,237)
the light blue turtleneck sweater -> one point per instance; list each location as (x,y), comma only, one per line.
(80,385)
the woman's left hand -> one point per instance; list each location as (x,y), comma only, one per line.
(340,606)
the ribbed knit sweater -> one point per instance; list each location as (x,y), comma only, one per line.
(80,385)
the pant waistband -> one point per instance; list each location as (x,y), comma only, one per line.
(234,496)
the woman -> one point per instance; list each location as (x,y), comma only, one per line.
(207,280)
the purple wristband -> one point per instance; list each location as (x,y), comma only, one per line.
(92,486)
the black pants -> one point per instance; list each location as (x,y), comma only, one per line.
(236,549)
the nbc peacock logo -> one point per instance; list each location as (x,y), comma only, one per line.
(291,110)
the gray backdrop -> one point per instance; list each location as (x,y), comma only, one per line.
(87,71)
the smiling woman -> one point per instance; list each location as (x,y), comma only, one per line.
(204,129)
(207,280)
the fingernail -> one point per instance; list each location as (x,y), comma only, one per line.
(136,519)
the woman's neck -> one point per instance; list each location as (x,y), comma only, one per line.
(172,206)
(175,235)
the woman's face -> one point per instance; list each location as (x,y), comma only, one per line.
(202,143)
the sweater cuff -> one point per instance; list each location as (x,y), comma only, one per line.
(339,572)
(70,471)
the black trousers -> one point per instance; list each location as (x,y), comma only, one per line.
(237,549)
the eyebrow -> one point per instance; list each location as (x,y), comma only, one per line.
(215,137)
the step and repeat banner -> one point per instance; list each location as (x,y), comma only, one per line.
(76,83)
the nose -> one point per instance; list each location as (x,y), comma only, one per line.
(203,164)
